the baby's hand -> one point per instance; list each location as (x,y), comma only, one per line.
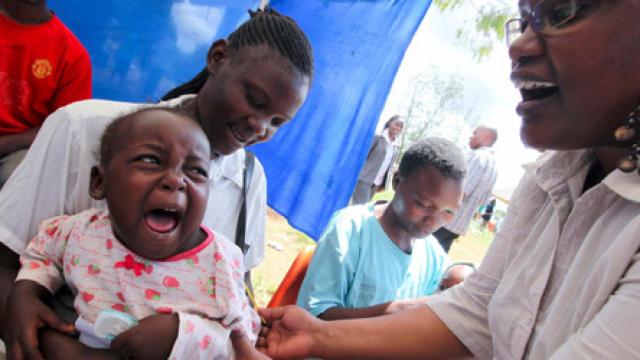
(244,349)
(152,338)
(27,313)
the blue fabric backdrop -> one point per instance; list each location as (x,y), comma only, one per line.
(140,49)
(312,163)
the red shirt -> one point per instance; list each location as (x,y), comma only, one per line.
(42,67)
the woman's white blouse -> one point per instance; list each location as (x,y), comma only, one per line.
(562,277)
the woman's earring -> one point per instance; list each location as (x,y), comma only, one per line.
(625,133)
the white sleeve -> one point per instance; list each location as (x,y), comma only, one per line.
(200,338)
(464,308)
(256,215)
(204,337)
(38,188)
(53,178)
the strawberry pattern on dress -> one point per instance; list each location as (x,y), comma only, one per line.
(204,286)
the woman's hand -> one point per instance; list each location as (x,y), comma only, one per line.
(291,333)
(26,314)
(152,338)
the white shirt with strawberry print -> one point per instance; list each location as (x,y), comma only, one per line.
(204,286)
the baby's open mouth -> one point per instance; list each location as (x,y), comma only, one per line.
(162,220)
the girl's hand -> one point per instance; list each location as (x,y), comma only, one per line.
(152,338)
(26,313)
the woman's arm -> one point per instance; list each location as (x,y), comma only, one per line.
(41,186)
(339,313)
(413,334)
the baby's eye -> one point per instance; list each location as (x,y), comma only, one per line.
(148,159)
(200,172)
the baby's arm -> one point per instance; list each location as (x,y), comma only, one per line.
(207,338)
(38,277)
(202,338)
(152,338)
(176,336)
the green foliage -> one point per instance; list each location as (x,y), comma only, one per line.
(434,106)
(488,23)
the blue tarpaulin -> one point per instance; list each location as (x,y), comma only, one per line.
(140,49)
(312,163)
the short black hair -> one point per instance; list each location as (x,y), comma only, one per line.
(117,129)
(269,27)
(440,153)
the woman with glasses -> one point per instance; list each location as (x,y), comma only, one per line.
(562,277)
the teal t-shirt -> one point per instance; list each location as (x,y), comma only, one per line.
(357,265)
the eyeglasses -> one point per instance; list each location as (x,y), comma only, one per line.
(547,17)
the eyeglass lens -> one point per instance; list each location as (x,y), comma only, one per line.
(544,16)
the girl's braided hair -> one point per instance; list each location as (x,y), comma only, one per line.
(269,27)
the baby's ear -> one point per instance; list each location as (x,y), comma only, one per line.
(96,185)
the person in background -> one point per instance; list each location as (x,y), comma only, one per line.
(478,185)
(487,212)
(43,67)
(254,82)
(379,160)
(371,254)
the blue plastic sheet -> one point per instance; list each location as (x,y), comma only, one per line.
(312,163)
(140,49)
